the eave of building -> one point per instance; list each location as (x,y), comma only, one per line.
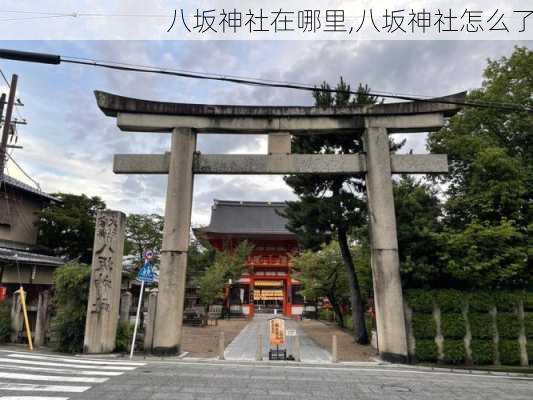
(9,255)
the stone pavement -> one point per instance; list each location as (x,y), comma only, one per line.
(244,346)
(258,381)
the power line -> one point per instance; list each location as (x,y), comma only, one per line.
(23,171)
(284,85)
(57,59)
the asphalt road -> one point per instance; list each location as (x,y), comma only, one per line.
(61,378)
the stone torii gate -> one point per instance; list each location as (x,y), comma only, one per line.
(375,122)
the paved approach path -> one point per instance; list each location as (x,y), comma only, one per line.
(244,346)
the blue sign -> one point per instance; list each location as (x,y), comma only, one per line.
(146,273)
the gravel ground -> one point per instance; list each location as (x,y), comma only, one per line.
(202,342)
(321,333)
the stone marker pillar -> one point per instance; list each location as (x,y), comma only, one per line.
(106,277)
(173,264)
(149,322)
(388,298)
(41,323)
(125,306)
(16,316)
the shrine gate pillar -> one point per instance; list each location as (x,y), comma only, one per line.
(173,264)
(388,298)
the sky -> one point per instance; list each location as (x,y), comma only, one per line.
(69,144)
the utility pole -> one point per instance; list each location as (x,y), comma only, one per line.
(7,123)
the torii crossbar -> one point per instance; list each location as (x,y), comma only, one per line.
(377,164)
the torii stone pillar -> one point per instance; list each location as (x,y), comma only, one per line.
(173,265)
(388,298)
(106,279)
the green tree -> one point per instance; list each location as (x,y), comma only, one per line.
(418,213)
(228,264)
(200,257)
(143,232)
(71,295)
(489,207)
(331,205)
(322,274)
(67,227)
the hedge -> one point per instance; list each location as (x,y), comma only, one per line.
(482,352)
(426,350)
(454,352)
(424,326)
(508,326)
(421,301)
(453,326)
(528,321)
(509,352)
(480,326)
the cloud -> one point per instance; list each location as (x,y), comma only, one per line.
(69,143)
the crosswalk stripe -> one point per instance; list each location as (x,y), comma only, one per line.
(76,360)
(27,387)
(60,378)
(32,398)
(61,370)
(56,364)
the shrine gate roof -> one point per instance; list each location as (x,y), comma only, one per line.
(247,217)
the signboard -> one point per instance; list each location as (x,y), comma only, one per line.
(268,294)
(148,255)
(146,273)
(277,331)
(290,332)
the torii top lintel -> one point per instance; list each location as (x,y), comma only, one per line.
(155,116)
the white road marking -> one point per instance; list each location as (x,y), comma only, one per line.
(60,370)
(27,387)
(60,378)
(56,364)
(32,398)
(77,360)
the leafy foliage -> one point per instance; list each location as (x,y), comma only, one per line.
(67,227)
(426,350)
(5,322)
(454,352)
(488,213)
(228,264)
(124,336)
(143,232)
(71,282)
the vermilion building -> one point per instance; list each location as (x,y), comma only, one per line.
(267,285)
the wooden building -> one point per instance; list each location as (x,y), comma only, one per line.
(267,285)
(21,260)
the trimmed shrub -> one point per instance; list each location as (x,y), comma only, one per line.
(325,314)
(506,301)
(5,322)
(508,326)
(71,282)
(420,300)
(124,336)
(453,326)
(454,352)
(480,326)
(482,352)
(426,350)
(509,352)
(528,321)
(480,301)
(528,301)
(423,326)
(450,301)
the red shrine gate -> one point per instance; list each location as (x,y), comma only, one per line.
(267,285)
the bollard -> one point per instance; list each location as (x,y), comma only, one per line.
(221,346)
(334,356)
(259,350)
(297,348)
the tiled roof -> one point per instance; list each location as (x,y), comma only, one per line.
(10,181)
(247,217)
(27,257)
